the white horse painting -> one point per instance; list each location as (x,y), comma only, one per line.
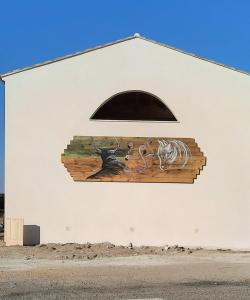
(169,151)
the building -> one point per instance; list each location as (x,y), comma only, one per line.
(136,111)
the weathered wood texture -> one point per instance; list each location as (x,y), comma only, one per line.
(133,159)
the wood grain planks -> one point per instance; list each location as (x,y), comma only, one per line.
(81,160)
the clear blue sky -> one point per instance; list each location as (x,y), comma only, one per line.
(35,31)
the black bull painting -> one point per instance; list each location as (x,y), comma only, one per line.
(133,159)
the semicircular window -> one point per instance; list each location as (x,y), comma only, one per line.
(133,106)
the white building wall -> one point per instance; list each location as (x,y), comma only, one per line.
(47,106)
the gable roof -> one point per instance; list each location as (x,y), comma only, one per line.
(135,36)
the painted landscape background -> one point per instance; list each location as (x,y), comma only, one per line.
(133,159)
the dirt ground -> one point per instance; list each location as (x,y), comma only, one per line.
(104,271)
(92,251)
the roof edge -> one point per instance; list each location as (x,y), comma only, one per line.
(135,36)
(47,62)
(196,56)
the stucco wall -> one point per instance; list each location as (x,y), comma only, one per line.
(47,106)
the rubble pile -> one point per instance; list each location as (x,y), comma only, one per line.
(88,251)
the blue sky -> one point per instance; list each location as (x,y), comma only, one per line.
(35,31)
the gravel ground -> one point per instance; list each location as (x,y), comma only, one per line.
(106,271)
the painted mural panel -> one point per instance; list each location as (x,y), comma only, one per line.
(133,159)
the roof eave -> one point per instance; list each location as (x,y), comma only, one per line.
(117,42)
(66,57)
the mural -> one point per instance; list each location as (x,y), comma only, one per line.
(133,159)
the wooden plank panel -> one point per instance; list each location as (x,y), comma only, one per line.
(133,159)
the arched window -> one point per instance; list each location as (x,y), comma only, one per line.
(133,106)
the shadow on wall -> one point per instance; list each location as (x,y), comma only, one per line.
(31,235)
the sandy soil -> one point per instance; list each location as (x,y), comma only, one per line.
(92,251)
(176,274)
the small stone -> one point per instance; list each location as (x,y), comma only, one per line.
(92,256)
(223,250)
(78,247)
(198,248)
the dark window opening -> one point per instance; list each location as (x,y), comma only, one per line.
(134,106)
